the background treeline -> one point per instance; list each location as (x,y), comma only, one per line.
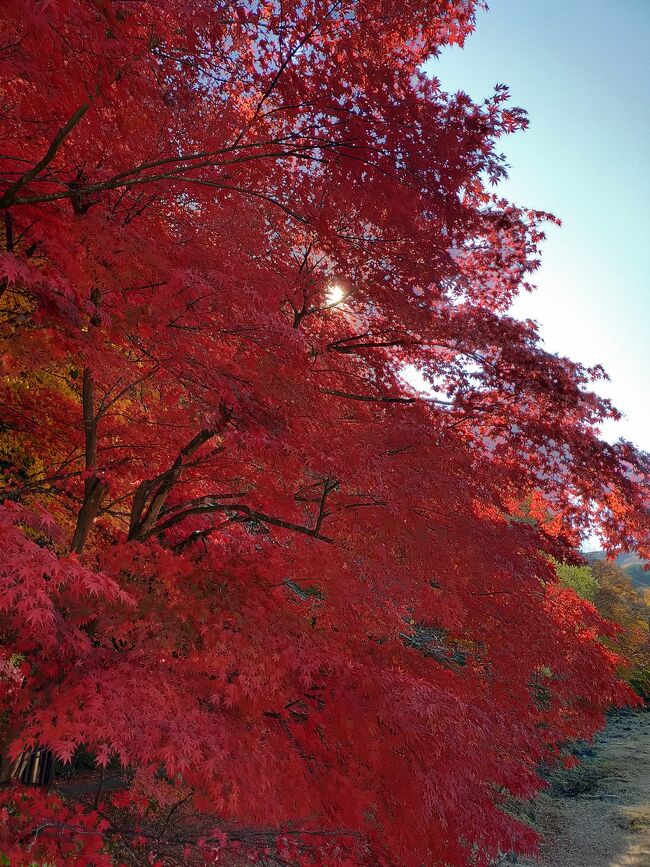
(617,597)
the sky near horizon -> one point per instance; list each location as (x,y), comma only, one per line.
(580,69)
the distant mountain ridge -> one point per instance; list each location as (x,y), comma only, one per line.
(630,563)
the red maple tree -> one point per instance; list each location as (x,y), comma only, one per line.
(241,554)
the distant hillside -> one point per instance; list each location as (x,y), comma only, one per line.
(630,562)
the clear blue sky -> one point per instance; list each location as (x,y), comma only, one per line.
(581,70)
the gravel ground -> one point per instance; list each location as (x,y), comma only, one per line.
(598,815)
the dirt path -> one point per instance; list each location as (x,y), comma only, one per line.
(598,815)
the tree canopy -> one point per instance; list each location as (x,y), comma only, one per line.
(242,555)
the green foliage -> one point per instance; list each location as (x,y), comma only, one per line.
(578,578)
(5,862)
(630,562)
(640,683)
(610,588)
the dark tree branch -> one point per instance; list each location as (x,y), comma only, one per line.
(368,398)
(245,512)
(10,195)
(143,516)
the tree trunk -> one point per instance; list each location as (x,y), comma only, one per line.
(94,488)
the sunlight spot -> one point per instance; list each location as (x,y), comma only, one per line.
(335,294)
(415,380)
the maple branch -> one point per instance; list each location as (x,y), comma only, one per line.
(210,158)
(197,535)
(94,488)
(174,808)
(253,193)
(383,398)
(107,403)
(278,74)
(9,196)
(206,500)
(367,397)
(354,347)
(328,487)
(84,192)
(240,512)
(391,338)
(247,514)
(142,522)
(373,503)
